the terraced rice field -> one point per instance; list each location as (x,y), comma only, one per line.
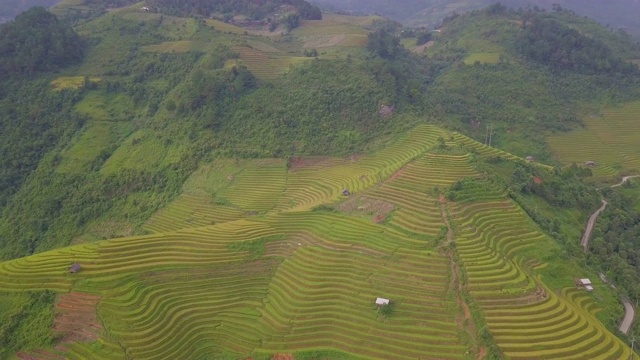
(527,320)
(210,281)
(611,140)
(265,65)
(72,82)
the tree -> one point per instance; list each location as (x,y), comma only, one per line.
(383,44)
(291,21)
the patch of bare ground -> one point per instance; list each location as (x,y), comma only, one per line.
(39,355)
(76,318)
(282,357)
(355,157)
(362,205)
(297,163)
(396,174)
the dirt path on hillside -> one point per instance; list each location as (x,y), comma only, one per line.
(589,229)
(455,283)
(629,311)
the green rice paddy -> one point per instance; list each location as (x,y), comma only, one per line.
(255,258)
(606,139)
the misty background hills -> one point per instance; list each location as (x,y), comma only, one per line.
(617,14)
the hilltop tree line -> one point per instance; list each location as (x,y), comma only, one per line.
(36,41)
(560,47)
(256,10)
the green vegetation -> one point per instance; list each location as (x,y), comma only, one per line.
(36,41)
(230,8)
(234,192)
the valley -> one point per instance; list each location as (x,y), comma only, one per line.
(213,181)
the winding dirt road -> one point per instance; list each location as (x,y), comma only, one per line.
(629,311)
(590,223)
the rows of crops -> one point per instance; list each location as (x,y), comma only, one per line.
(264,65)
(414,190)
(189,211)
(324,182)
(296,276)
(605,139)
(526,319)
(196,292)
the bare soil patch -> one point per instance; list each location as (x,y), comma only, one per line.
(365,206)
(396,174)
(282,357)
(76,318)
(297,163)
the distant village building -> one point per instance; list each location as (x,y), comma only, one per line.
(530,158)
(346,192)
(74,268)
(145,8)
(590,163)
(382,301)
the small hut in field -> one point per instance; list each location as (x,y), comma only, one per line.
(74,268)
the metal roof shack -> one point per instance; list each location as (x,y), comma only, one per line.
(585,282)
(382,301)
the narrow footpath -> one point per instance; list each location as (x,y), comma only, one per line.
(629,311)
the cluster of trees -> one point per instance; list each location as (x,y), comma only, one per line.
(36,41)
(256,10)
(614,246)
(560,47)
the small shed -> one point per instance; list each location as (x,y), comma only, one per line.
(346,192)
(590,163)
(585,282)
(530,158)
(74,268)
(382,301)
(589,288)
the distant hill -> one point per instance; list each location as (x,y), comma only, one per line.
(11,8)
(617,14)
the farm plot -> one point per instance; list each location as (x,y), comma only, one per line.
(297,276)
(414,190)
(223,288)
(526,319)
(324,182)
(611,140)
(189,211)
(264,65)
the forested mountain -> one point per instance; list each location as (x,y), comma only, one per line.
(36,41)
(222,153)
(617,14)
(11,8)
(253,9)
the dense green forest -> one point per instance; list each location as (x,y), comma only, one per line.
(36,41)
(11,8)
(614,246)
